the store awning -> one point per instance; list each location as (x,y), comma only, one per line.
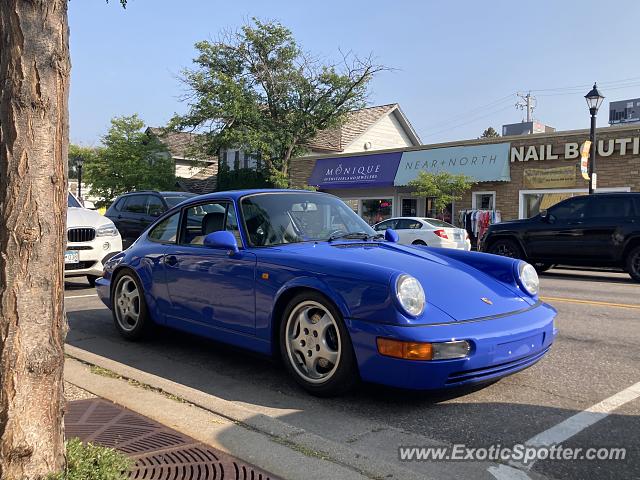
(482,163)
(375,170)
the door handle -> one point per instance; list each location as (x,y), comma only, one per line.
(170,260)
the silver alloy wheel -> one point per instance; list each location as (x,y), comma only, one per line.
(313,342)
(127,303)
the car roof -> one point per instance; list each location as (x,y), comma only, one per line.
(237,194)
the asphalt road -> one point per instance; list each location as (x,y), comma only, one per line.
(596,356)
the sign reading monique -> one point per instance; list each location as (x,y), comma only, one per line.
(363,170)
(483,163)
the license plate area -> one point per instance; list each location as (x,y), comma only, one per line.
(71,257)
(505,352)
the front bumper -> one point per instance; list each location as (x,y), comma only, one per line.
(92,256)
(500,347)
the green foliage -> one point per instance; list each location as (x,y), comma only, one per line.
(129,160)
(92,462)
(76,153)
(490,133)
(444,187)
(241,179)
(257,90)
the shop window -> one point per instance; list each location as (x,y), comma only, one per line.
(409,207)
(374,211)
(484,201)
(352,204)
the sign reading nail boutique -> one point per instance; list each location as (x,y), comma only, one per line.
(358,171)
(483,163)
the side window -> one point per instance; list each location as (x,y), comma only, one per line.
(120,205)
(201,220)
(167,230)
(136,204)
(381,227)
(571,210)
(406,224)
(610,207)
(155,208)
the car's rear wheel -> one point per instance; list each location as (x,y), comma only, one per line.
(419,242)
(633,264)
(316,347)
(506,248)
(128,307)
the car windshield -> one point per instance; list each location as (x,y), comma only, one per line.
(72,202)
(437,223)
(278,218)
(174,200)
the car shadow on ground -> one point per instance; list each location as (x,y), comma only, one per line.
(454,416)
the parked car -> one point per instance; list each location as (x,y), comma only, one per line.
(426,231)
(601,230)
(300,275)
(91,240)
(133,212)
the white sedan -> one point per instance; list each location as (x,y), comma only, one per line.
(426,231)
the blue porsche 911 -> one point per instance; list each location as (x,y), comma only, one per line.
(298,274)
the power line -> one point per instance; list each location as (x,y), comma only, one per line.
(466,113)
(468,122)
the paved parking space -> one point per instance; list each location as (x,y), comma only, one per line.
(596,356)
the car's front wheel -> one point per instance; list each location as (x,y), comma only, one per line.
(128,307)
(506,248)
(316,347)
(633,264)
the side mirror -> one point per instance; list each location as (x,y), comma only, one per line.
(391,235)
(222,240)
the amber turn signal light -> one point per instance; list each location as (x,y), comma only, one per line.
(405,350)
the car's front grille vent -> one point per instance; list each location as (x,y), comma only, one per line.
(357,245)
(80,266)
(81,234)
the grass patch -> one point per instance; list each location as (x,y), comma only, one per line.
(104,372)
(86,461)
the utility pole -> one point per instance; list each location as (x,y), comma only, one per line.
(529,103)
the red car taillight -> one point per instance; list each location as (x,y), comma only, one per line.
(441,234)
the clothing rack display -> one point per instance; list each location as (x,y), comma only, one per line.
(476,222)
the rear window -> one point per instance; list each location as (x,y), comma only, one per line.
(438,223)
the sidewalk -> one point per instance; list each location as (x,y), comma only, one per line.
(268,450)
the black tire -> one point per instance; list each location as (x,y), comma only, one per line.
(506,248)
(632,264)
(419,242)
(129,329)
(542,267)
(344,375)
(92,280)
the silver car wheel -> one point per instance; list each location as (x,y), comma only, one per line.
(127,303)
(313,342)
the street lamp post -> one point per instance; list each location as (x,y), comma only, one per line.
(594,99)
(79,163)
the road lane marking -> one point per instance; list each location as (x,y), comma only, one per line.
(589,302)
(565,430)
(82,296)
(575,424)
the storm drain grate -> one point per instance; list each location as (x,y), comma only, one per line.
(158,452)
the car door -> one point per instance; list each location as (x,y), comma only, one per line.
(130,218)
(409,230)
(559,237)
(607,220)
(211,287)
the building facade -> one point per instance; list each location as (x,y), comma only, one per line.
(518,176)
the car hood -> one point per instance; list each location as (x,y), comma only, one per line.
(450,285)
(83,217)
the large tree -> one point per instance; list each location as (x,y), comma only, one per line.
(257,90)
(128,160)
(34,73)
(34,68)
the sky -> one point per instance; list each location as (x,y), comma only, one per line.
(457,64)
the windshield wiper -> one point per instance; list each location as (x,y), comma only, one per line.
(350,236)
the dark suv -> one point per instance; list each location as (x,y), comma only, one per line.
(134,212)
(600,230)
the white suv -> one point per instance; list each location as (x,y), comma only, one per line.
(91,240)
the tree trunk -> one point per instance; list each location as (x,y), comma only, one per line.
(34,76)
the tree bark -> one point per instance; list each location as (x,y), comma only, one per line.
(34,76)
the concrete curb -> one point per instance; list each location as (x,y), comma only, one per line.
(330,459)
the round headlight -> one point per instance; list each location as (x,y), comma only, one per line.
(410,294)
(529,278)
